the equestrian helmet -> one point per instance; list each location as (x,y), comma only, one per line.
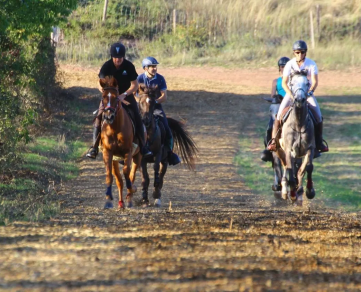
(149,61)
(300,45)
(283,61)
(117,50)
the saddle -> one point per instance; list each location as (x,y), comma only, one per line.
(286,112)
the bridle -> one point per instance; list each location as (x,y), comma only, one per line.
(108,107)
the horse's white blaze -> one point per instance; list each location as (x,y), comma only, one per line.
(109,95)
(148,100)
(108,103)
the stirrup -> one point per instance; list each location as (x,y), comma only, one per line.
(322,149)
(92,152)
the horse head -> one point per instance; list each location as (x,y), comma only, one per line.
(110,98)
(299,86)
(147,102)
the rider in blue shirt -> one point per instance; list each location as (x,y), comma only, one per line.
(277,93)
(150,78)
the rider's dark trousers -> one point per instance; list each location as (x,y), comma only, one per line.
(164,120)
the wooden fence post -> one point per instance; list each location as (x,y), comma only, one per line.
(105,10)
(318,21)
(312,31)
(174,20)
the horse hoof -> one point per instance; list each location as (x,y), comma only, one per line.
(310,193)
(129,204)
(157,203)
(108,205)
(121,205)
(145,203)
(277,195)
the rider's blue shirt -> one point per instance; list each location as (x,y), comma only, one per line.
(279,87)
(156,80)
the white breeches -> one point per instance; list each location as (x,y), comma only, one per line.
(312,104)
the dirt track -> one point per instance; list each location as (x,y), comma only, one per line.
(219,236)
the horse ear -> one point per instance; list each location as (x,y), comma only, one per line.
(141,87)
(102,82)
(113,82)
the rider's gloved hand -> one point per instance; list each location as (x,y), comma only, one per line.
(310,93)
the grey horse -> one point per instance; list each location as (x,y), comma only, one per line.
(297,141)
(272,156)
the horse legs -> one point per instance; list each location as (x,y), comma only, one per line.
(145,183)
(300,175)
(136,163)
(277,169)
(310,191)
(126,172)
(163,170)
(156,167)
(288,178)
(107,158)
(119,181)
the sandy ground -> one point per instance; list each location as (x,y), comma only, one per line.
(217,236)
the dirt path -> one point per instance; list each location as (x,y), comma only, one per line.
(219,236)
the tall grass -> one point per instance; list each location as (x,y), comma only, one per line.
(219,31)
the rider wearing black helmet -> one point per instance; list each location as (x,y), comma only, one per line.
(150,78)
(277,93)
(124,72)
(301,63)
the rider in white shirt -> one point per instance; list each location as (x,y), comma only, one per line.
(301,64)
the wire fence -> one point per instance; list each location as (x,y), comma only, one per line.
(200,28)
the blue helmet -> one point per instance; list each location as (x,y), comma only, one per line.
(149,61)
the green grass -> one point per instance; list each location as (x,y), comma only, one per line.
(33,192)
(336,174)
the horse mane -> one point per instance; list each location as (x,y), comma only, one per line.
(108,81)
(152,91)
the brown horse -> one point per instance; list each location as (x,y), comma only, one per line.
(117,136)
(156,139)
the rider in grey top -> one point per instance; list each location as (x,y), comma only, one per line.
(301,64)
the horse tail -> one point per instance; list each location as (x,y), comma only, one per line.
(183,141)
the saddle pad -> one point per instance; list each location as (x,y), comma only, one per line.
(284,113)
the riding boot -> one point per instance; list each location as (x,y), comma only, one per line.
(272,146)
(266,154)
(173,159)
(319,139)
(93,151)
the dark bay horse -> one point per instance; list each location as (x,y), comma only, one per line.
(155,138)
(297,141)
(117,134)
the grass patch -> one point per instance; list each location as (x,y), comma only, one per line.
(336,174)
(32,192)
